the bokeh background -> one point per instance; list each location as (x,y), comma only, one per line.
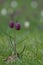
(32,37)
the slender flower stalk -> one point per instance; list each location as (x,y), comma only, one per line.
(15,52)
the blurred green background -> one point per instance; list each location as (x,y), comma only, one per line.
(31,37)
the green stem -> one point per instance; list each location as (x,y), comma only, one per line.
(15,52)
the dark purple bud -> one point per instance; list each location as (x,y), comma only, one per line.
(18,26)
(11,24)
